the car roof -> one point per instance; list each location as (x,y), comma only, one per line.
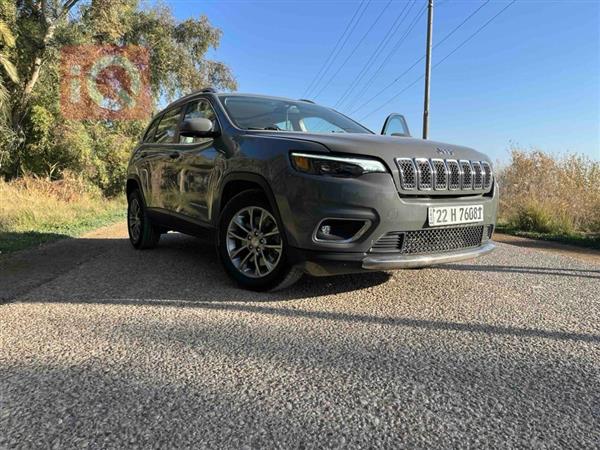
(209,92)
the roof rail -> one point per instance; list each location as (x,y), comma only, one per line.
(305,100)
(209,89)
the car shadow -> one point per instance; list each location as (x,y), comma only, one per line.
(185,272)
(181,268)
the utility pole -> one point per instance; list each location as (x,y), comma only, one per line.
(428,69)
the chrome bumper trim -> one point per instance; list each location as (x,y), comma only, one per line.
(390,262)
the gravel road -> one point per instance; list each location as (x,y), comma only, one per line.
(106,347)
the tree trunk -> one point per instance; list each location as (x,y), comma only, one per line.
(21,106)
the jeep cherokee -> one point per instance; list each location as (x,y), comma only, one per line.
(287,187)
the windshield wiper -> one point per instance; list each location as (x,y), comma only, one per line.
(265,128)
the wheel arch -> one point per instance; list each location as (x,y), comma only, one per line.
(133,183)
(234,183)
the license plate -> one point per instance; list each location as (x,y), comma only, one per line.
(451,215)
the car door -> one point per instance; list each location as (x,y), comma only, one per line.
(143,158)
(161,157)
(201,164)
(395,125)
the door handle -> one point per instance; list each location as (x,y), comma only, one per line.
(174,155)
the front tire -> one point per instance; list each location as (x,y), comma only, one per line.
(252,244)
(142,233)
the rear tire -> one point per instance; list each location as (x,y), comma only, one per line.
(143,233)
(252,245)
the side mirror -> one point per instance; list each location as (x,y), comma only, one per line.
(199,127)
(395,125)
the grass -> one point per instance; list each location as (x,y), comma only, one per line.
(577,239)
(551,198)
(34,211)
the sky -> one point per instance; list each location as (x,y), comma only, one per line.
(529,79)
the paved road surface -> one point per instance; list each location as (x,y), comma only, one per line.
(103,346)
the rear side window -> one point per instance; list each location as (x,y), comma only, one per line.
(195,110)
(149,136)
(167,128)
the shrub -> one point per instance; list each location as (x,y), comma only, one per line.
(549,194)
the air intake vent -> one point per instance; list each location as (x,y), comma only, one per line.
(430,240)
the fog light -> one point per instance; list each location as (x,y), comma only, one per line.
(341,230)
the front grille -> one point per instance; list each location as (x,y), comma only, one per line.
(422,174)
(430,240)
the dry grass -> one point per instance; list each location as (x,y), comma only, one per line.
(35,210)
(545,194)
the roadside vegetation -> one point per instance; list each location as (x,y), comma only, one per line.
(35,210)
(41,150)
(554,198)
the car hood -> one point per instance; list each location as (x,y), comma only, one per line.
(385,147)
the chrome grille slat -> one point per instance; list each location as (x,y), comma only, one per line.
(408,173)
(487,174)
(467,175)
(477,175)
(430,240)
(439,174)
(454,174)
(424,174)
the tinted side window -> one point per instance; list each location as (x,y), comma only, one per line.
(195,110)
(396,125)
(167,128)
(149,136)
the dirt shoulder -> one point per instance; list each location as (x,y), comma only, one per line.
(581,253)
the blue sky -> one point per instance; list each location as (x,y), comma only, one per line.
(531,78)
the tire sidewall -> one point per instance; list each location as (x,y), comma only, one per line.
(135,195)
(237,203)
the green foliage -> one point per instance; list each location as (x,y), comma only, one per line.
(34,210)
(534,217)
(34,138)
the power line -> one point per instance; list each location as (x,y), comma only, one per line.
(382,44)
(354,49)
(329,59)
(458,47)
(403,38)
(444,39)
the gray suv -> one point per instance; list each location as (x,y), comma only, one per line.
(286,187)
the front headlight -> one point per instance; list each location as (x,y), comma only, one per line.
(336,166)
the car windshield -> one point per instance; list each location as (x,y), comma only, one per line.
(261,113)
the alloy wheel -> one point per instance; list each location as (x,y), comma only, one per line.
(135,219)
(254,243)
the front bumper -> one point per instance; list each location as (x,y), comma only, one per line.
(396,261)
(322,264)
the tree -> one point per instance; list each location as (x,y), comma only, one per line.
(178,65)
(8,41)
